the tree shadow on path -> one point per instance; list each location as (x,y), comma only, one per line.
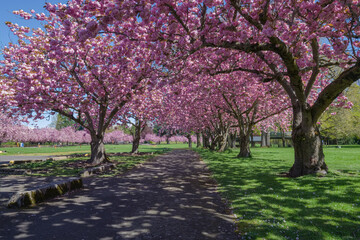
(170,197)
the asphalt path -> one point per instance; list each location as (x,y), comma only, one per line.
(170,197)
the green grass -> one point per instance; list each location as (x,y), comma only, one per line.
(66,150)
(269,206)
(69,167)
(72,167)
(59,168)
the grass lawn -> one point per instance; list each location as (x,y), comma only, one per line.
(66,150)
(72,167)
(272,207)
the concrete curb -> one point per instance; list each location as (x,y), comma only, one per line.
(13,162)
(95,170)
(44,192)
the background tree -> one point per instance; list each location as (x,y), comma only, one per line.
(63,122)
(343,123)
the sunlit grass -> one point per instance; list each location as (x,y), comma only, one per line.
(269,206)
(66,150)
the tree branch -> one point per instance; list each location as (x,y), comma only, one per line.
(315,69)
(334,89)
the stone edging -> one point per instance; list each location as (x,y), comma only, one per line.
(44,192)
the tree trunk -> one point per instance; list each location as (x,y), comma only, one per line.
(283,138)
(198,140)
(263,139)
(97,151)
(223,141)
(167,139)
(231,140)
(189,140)
(267,139)
(136,138)
(252,139)
(244,141)
(309,156)
(205,139)
(213,142)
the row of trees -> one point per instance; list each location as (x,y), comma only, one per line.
(10,130)
(212,67)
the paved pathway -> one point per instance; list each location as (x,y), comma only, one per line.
(170,197)
(7,158)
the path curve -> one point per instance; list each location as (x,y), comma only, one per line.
(169,197)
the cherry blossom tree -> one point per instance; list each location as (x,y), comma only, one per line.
(89,81)
(117,136)
(293,43)
(8,128)
(298,41)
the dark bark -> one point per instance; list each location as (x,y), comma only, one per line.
(232,140)
(213,142)
(206,142)
(167,139)
(198,140)
(98,155)
(252,139)
(244,141)
(283,137)
(189,140)
(136,138)
(309,156)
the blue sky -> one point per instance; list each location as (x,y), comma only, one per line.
(6,15)
(6,36)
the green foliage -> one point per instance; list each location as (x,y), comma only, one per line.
(126,129)
(345,123)
(63,122)
(270,206)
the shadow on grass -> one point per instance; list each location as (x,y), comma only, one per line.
(272,207)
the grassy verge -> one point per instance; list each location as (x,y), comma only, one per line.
(60,168)
(72,167)
(66,150)
(272,207)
